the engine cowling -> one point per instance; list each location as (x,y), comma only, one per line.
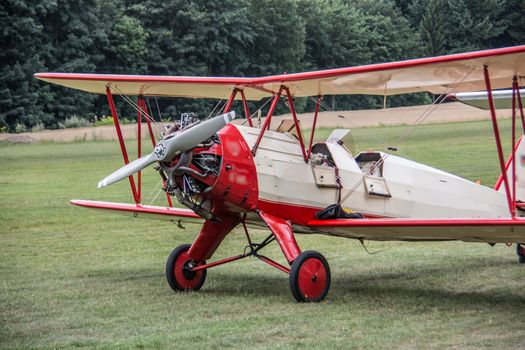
(216,177)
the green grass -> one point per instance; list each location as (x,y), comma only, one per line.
(75,278)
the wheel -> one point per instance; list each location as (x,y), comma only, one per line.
(179,277)
(310,277)
(520,250)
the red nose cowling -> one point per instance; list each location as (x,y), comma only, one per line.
(235,189)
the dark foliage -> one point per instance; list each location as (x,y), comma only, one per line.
(224,38)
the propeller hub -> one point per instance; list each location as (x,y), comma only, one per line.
(160,150)
(168,148)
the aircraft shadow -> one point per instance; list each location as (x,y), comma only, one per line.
(403,287)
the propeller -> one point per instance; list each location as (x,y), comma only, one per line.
(170,146)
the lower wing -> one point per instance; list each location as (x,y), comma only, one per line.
(489,230)
(179,215)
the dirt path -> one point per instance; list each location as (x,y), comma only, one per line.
(448,112)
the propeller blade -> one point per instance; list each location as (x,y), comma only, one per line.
(191,137)
(128,169)
(168,148)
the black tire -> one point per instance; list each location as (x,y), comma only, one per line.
(179,278)
(521,253)
(310,277)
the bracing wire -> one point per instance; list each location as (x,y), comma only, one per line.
(134,105)
(158,126)
(258,109)
(155,192)
(214,108)
(158,108)
(330,109)
(428,111)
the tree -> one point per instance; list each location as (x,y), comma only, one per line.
(335,35)
(21,56)
(71,28)
(121,40)
(279,36)
(432,28)
(466,25)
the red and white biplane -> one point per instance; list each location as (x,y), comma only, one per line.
(229,174)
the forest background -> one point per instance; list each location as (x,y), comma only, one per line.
(225,38)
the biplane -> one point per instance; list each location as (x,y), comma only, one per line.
(228,174)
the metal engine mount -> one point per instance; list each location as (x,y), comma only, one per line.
(191,174)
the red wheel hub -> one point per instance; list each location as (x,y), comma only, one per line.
(312,278)
(185,278)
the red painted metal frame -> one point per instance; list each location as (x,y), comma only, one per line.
(266,124)
(136,188)
(507,165)
(230,100)
(111,103)
(253,252)
(513,145)
(210,237)
(246,109)
(144,109)
(219,262)
(283,232)
(314,123)
(142,105)
(520,105)
(273,263)
(139,150)
(296,122)
(512,208)
(239,257)
(291,106)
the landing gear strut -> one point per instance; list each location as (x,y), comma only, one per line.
(309,275)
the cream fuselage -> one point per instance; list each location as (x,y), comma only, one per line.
(416,190)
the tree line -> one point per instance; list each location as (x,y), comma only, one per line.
(225,38)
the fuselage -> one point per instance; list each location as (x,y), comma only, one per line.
(288,186)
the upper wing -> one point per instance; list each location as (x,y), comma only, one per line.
(437,75)
(490,230)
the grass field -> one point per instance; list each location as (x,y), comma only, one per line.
(74,278)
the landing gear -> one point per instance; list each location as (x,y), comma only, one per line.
(520,250)
(309,274)
(309,277)
(178,273)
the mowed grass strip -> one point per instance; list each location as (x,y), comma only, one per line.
(75,278)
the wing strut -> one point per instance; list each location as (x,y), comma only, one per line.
(246,109)
(143,111)
(136,187)
(231,99)
(510,200)
(291,106)
(296,122)
(136,195)
(316,113)
(514,147)
(266,124)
